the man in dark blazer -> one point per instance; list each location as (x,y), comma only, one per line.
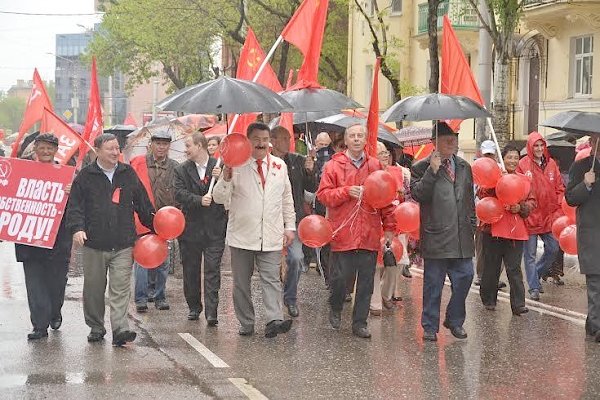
(583,193)
(443,186)
(205,226)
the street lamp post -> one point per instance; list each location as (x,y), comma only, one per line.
(75,77)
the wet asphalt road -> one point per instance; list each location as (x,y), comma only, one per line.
(543,354)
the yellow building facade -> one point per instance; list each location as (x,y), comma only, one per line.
(552,70)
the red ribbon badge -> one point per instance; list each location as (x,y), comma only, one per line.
(116,197)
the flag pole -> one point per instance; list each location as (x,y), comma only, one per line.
(489,123)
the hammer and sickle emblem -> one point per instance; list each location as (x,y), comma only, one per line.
(254,59)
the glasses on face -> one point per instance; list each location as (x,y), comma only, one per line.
(383,153)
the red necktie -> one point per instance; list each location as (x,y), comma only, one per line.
(449,170)
(260,172)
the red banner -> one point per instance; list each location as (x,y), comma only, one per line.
(68,140)
(32,200)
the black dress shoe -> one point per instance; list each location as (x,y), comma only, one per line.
(95,337)
(430,336)
(194,315)
(161,305)
(123,337)
(406,271)
(212,321)
(276,327)
(55,323)
(501,285)
(37,334)
(520,310)
(362,333)
(141,308)
(246,331)
(335,319)
(456,331)
(293,310)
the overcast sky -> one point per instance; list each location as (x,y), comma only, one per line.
(25,40)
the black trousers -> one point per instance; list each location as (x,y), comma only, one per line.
(350,265)
(592,323)
(45,281)
(496,251)
(191,259)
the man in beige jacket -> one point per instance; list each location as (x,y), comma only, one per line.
(261,222)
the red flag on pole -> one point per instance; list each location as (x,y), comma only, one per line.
(251,56)
(457,77)
(93,124)
(38,100)
(373,117)
(305,31)
(68,140)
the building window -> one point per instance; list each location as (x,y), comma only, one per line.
(370,8)
(396,7)
(583,63)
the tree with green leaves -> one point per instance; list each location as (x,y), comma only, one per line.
(504,17)
(184,37)
(11,112)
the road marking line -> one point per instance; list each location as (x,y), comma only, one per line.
(204,351)
(559,312)
(250,391)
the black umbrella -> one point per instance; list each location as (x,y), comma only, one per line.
(578,123)
(318,100)
(343,121)
(225,95)
(434,106)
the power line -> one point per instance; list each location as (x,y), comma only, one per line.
(52,15)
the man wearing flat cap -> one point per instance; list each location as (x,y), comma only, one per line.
(46,269)
(443,186)
(157,174)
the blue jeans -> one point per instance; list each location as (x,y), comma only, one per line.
(293,259)
(141,281)
(535,269)
(460,272)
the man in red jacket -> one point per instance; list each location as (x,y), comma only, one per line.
(354,248)
(548,188)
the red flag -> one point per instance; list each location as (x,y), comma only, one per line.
(457,77)
(251,56)
(38,100)
(373,117)
(305,31)
(68,140)
(93,124)
(130,120)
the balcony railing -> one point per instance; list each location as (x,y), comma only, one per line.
(460,12)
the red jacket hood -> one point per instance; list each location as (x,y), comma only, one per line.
(534,137)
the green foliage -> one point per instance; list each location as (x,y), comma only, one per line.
(183,36)
(11,112)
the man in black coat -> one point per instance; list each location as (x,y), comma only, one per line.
(301,171)
(103,199)
(46,269)
(205,227)
(443,186)
(583,192)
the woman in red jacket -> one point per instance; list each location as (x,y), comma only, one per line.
(503,241)
(548,188)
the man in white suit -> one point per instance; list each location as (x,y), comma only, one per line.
(261,222)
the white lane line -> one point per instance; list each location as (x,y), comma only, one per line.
(204,351)
(250,391)
(559,312)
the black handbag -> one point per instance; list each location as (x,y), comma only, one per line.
(389,259)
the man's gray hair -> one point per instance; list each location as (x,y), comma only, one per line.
(101,139)
(362,125)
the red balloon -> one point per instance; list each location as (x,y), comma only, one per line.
(169,222)
(150,251)
(235,149)
(512,188)
(315,231)
(397,249)
(486,172)
(416,235)
(583,154)
(559,224)
(407,217)
(568,240)
(569,211)
(379,189)
(489,210)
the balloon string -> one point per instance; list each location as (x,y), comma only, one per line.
(351,217)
